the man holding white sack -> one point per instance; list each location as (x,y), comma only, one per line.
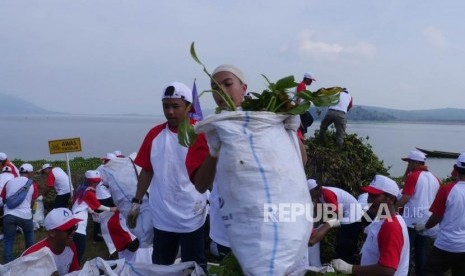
(178,210)
(251,181)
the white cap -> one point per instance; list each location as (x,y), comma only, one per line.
(232,69)
(177,90)
(461,161)
(6,169)
(311,183)
(109,156)
(3,156)
(382,184)
(46,166)
(118,153)
(60,219)
(309,75)
(93,175)
(415,155)
(26,168)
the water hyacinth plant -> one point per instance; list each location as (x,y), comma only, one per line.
(278,97)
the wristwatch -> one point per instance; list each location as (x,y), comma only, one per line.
(135,200)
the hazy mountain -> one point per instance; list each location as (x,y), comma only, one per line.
(442,114)
(13,105)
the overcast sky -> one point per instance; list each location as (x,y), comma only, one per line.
(112,56)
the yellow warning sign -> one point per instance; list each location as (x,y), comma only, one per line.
(64,145)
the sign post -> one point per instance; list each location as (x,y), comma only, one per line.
(65,146)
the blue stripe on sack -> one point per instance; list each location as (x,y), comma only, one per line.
(267,189)
(128,198)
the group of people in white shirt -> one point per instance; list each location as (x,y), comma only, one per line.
(403,222)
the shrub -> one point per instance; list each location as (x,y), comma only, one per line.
(348,167)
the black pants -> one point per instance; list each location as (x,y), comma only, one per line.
(306,120)
(62,200)
(166,245)
(347,241)
(80,242)
(440,261)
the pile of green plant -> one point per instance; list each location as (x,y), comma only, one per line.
(348,167)
(278,97)
(229,266)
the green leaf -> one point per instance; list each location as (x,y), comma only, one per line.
(300,109)
(306,95)
(271,104)
(329,91)
(326,100)
(226,98)
(267,80)
(285,83)
(194,55)
(186,134)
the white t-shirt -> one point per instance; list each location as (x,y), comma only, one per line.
(448,204)
(351,208)
(387,244)
(4,178)
(344,102)
(102,191)
(175,203)
(23,210)
(80,211)
(61,183)
(421,186)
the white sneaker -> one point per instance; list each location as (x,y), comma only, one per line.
(1,237)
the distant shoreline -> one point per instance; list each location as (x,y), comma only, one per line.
(161,118)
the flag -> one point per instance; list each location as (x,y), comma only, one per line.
(196,112)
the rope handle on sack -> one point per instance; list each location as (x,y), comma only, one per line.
(136,173)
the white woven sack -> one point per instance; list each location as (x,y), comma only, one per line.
(38,216)
(260,165)
(121,176)
(40,262)
(120,267)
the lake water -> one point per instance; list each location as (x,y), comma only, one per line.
(26,137)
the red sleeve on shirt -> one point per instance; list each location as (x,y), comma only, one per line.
(439,204)
(91,199)
(350,104)
(390,243)
(300,135)
(143,155)
(301,87)
(50,179)
(36,247)
(35,194)
(410,183)
(196,155)
(330,198)
(74,263)
(3,193)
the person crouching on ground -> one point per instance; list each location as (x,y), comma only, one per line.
(57,179)
(60,225)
